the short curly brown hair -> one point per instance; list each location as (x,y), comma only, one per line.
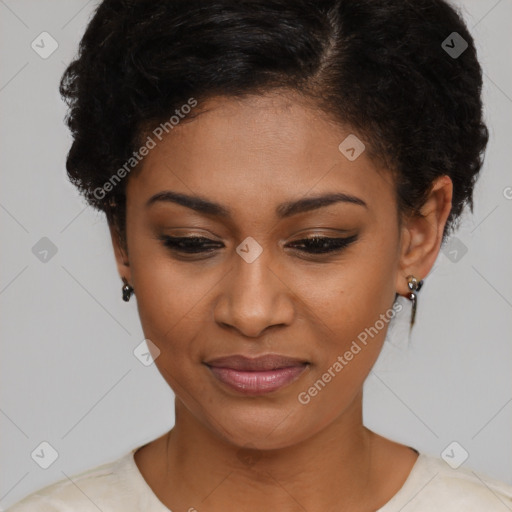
(382,67)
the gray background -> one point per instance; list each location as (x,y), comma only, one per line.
(68,372)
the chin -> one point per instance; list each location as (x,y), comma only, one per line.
(260,429)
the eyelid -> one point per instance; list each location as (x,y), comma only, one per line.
(202,247)
(337,243)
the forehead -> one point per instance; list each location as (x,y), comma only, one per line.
(255,152)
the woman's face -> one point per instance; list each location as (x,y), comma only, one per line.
(256,290)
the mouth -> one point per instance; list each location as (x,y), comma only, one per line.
(256,376)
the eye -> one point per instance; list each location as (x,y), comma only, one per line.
(190,244)
(323,245)
(312,245)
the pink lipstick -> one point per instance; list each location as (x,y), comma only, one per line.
(256,376)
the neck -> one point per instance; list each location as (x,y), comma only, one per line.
(333,469)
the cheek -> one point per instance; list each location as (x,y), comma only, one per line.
(354,306)
(171,311)
(353,335)
(170,301)
(351,296)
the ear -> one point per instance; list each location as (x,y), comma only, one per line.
(422,234)
(121,254)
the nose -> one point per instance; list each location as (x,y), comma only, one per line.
(254,297)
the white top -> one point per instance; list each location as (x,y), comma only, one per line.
(118,486)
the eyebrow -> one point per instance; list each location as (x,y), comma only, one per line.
(284,210)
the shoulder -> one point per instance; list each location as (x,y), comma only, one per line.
(434,485)
(98,488)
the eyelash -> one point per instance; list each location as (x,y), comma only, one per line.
(317,244)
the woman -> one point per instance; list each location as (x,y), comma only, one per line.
(274,175)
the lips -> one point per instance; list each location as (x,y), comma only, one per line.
(256,376)
(261,363)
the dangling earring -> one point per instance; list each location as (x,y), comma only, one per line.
(415,286)
(127,290)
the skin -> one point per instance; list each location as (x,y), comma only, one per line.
(228,450)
